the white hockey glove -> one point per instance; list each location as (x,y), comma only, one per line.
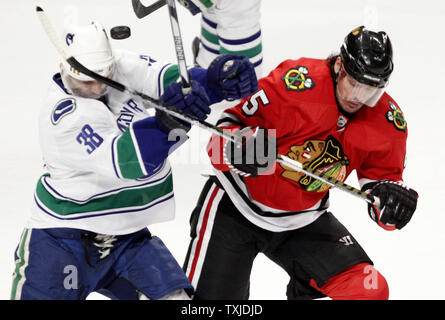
(197,6)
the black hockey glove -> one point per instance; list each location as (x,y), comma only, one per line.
(256,154)
(397,204)
(232,77)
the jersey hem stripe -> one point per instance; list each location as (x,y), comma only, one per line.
(131,198)
(58,195)
(95,215)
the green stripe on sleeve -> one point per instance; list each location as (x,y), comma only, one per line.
(249,53)
(127,157)
(170,76)
(207,3)
(210,37)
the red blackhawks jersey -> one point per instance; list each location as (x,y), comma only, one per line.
(297,100)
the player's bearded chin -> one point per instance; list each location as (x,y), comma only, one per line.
(87,89)
(347,105)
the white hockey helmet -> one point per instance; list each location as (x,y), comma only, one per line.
(90,46)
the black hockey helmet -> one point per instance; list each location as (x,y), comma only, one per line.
(367,56)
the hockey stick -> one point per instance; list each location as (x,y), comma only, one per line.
(59,45)
(297,166)
(142,11)
(185,79)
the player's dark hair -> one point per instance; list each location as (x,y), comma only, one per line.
(330,61)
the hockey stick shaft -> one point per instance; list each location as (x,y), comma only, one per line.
(176,32)
(297,166)
(142,11)
(58,44)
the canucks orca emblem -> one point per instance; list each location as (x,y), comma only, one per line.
(69,39)
(63,107)
(296,79)
(395,116)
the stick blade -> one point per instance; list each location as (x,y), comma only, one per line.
(142,11)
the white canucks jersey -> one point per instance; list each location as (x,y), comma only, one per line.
(97,178)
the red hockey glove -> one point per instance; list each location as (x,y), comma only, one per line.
(397,204)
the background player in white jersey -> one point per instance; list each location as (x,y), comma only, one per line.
(108,174)
(228,26)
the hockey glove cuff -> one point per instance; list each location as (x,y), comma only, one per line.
(255,155)
(167,122)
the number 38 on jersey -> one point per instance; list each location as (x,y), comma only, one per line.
(89,138)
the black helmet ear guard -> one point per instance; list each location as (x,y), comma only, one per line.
(367,56)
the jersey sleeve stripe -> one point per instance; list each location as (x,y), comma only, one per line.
(138,152)
(228,119)
(168,74)
(227,122)
(161,81)
(127,156)
(208,46)
(250,53)
(209,22)
(209,36)
(114,158)
(241,41)
(256,64)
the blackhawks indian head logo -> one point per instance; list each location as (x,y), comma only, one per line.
(395,116)
(325,156)
(296,79)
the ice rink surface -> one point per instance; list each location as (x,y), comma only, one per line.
(412,260)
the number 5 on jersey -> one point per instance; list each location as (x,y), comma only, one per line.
(251,106)
(89,138)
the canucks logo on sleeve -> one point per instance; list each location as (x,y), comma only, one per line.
(63,107)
